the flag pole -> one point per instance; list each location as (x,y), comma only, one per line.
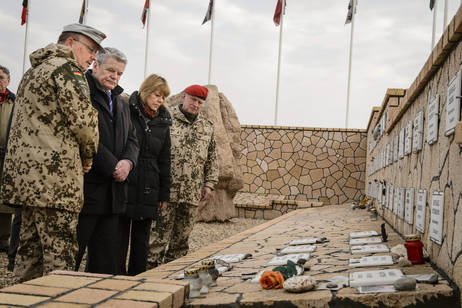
(211,43)
(283,11)
(350,61)
(435,7)
(146,53)
(86,12)
(25,39)
(445,20)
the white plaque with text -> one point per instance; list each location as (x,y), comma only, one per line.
(408,138)
(418,132)
(391,195)
(390,153)
(401,191)
(396,201)
(409,205)
(436,218)
(421,210)
(453,105)
(401,143)
(395,148)
(433,117)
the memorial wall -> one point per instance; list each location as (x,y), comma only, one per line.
(414,155)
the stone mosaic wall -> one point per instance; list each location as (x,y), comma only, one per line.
(304,163)
(436,166)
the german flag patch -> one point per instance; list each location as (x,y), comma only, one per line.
(77,73)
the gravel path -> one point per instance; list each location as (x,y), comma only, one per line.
(202,235)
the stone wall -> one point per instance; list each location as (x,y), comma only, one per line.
(414,153)
(304,163)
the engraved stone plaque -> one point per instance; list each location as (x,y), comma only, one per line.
(433,117)
(391,192)
(371,261)
(373,278)
(453,105)
(418,132)
(401,200)
(408,138)
(421,210)
(401,144)
(395,148)
(409,205)
(436,218)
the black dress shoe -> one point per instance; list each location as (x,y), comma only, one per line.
(5,249)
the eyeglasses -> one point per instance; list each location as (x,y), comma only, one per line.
(89,48)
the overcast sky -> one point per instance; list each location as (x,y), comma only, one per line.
(392,41)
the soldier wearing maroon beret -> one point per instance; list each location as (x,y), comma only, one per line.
(194,172)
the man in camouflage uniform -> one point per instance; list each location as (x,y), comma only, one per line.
(194,172)
(53,139)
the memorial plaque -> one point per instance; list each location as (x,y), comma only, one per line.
(299,249)
(409,205)
(401,144)
(391,192)
(453,105)
(371,261)
(369,249)
(396,201)
(395,148)
(401,199)
(363,234)
(233,258)
(433,117)
(282,260)
(408,138)
(390,152)
(374,278)
(436,218)
(384,195)
(367,240)
(421,210)
(418,132)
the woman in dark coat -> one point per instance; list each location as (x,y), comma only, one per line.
(149,182)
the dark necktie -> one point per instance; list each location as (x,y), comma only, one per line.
(110,100)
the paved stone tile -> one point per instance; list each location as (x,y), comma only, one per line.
(163,299)
(62,281)
(117,303)
(61,305)
(86,296)
(20,299)
(35,290)
(114,284)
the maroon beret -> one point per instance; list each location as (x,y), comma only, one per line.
(197,90)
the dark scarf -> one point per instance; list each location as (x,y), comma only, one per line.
(191,117)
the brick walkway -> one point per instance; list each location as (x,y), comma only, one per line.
(159,288)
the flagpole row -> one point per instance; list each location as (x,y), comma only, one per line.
(25,20)
(350,19)
(279,21)
(211,43)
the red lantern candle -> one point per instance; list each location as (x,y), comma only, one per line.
(414,248)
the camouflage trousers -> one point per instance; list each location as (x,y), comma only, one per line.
(47,242)
(170,233)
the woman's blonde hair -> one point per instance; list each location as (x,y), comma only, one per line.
(151,84)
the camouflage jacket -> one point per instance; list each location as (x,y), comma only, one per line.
(194,157)
(5,112)
(54,130)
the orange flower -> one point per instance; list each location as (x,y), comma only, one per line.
(271,280)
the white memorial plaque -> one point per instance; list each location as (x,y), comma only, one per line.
(384,196)
(282,260)
(436,219)
(230,258)
(395,148)
(363,234)
(401,143)
(409,205)
(421,210)
(369,249)
(391,194)
(299,249)
(401,192)
(390,152)
(374,278)
(371,261)
(367,240)
(305,241)
(408,138)
(396,201)
(453,105)
(418,133)
(433,118)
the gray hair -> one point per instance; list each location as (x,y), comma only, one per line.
(111,52)
(5,70)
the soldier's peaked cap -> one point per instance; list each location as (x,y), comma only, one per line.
(92,33)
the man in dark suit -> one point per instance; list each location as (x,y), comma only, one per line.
(105,186)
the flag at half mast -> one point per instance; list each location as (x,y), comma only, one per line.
(24,12)
(144,15)
(209,13)
(351,7)
(432,4)
(278,12)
